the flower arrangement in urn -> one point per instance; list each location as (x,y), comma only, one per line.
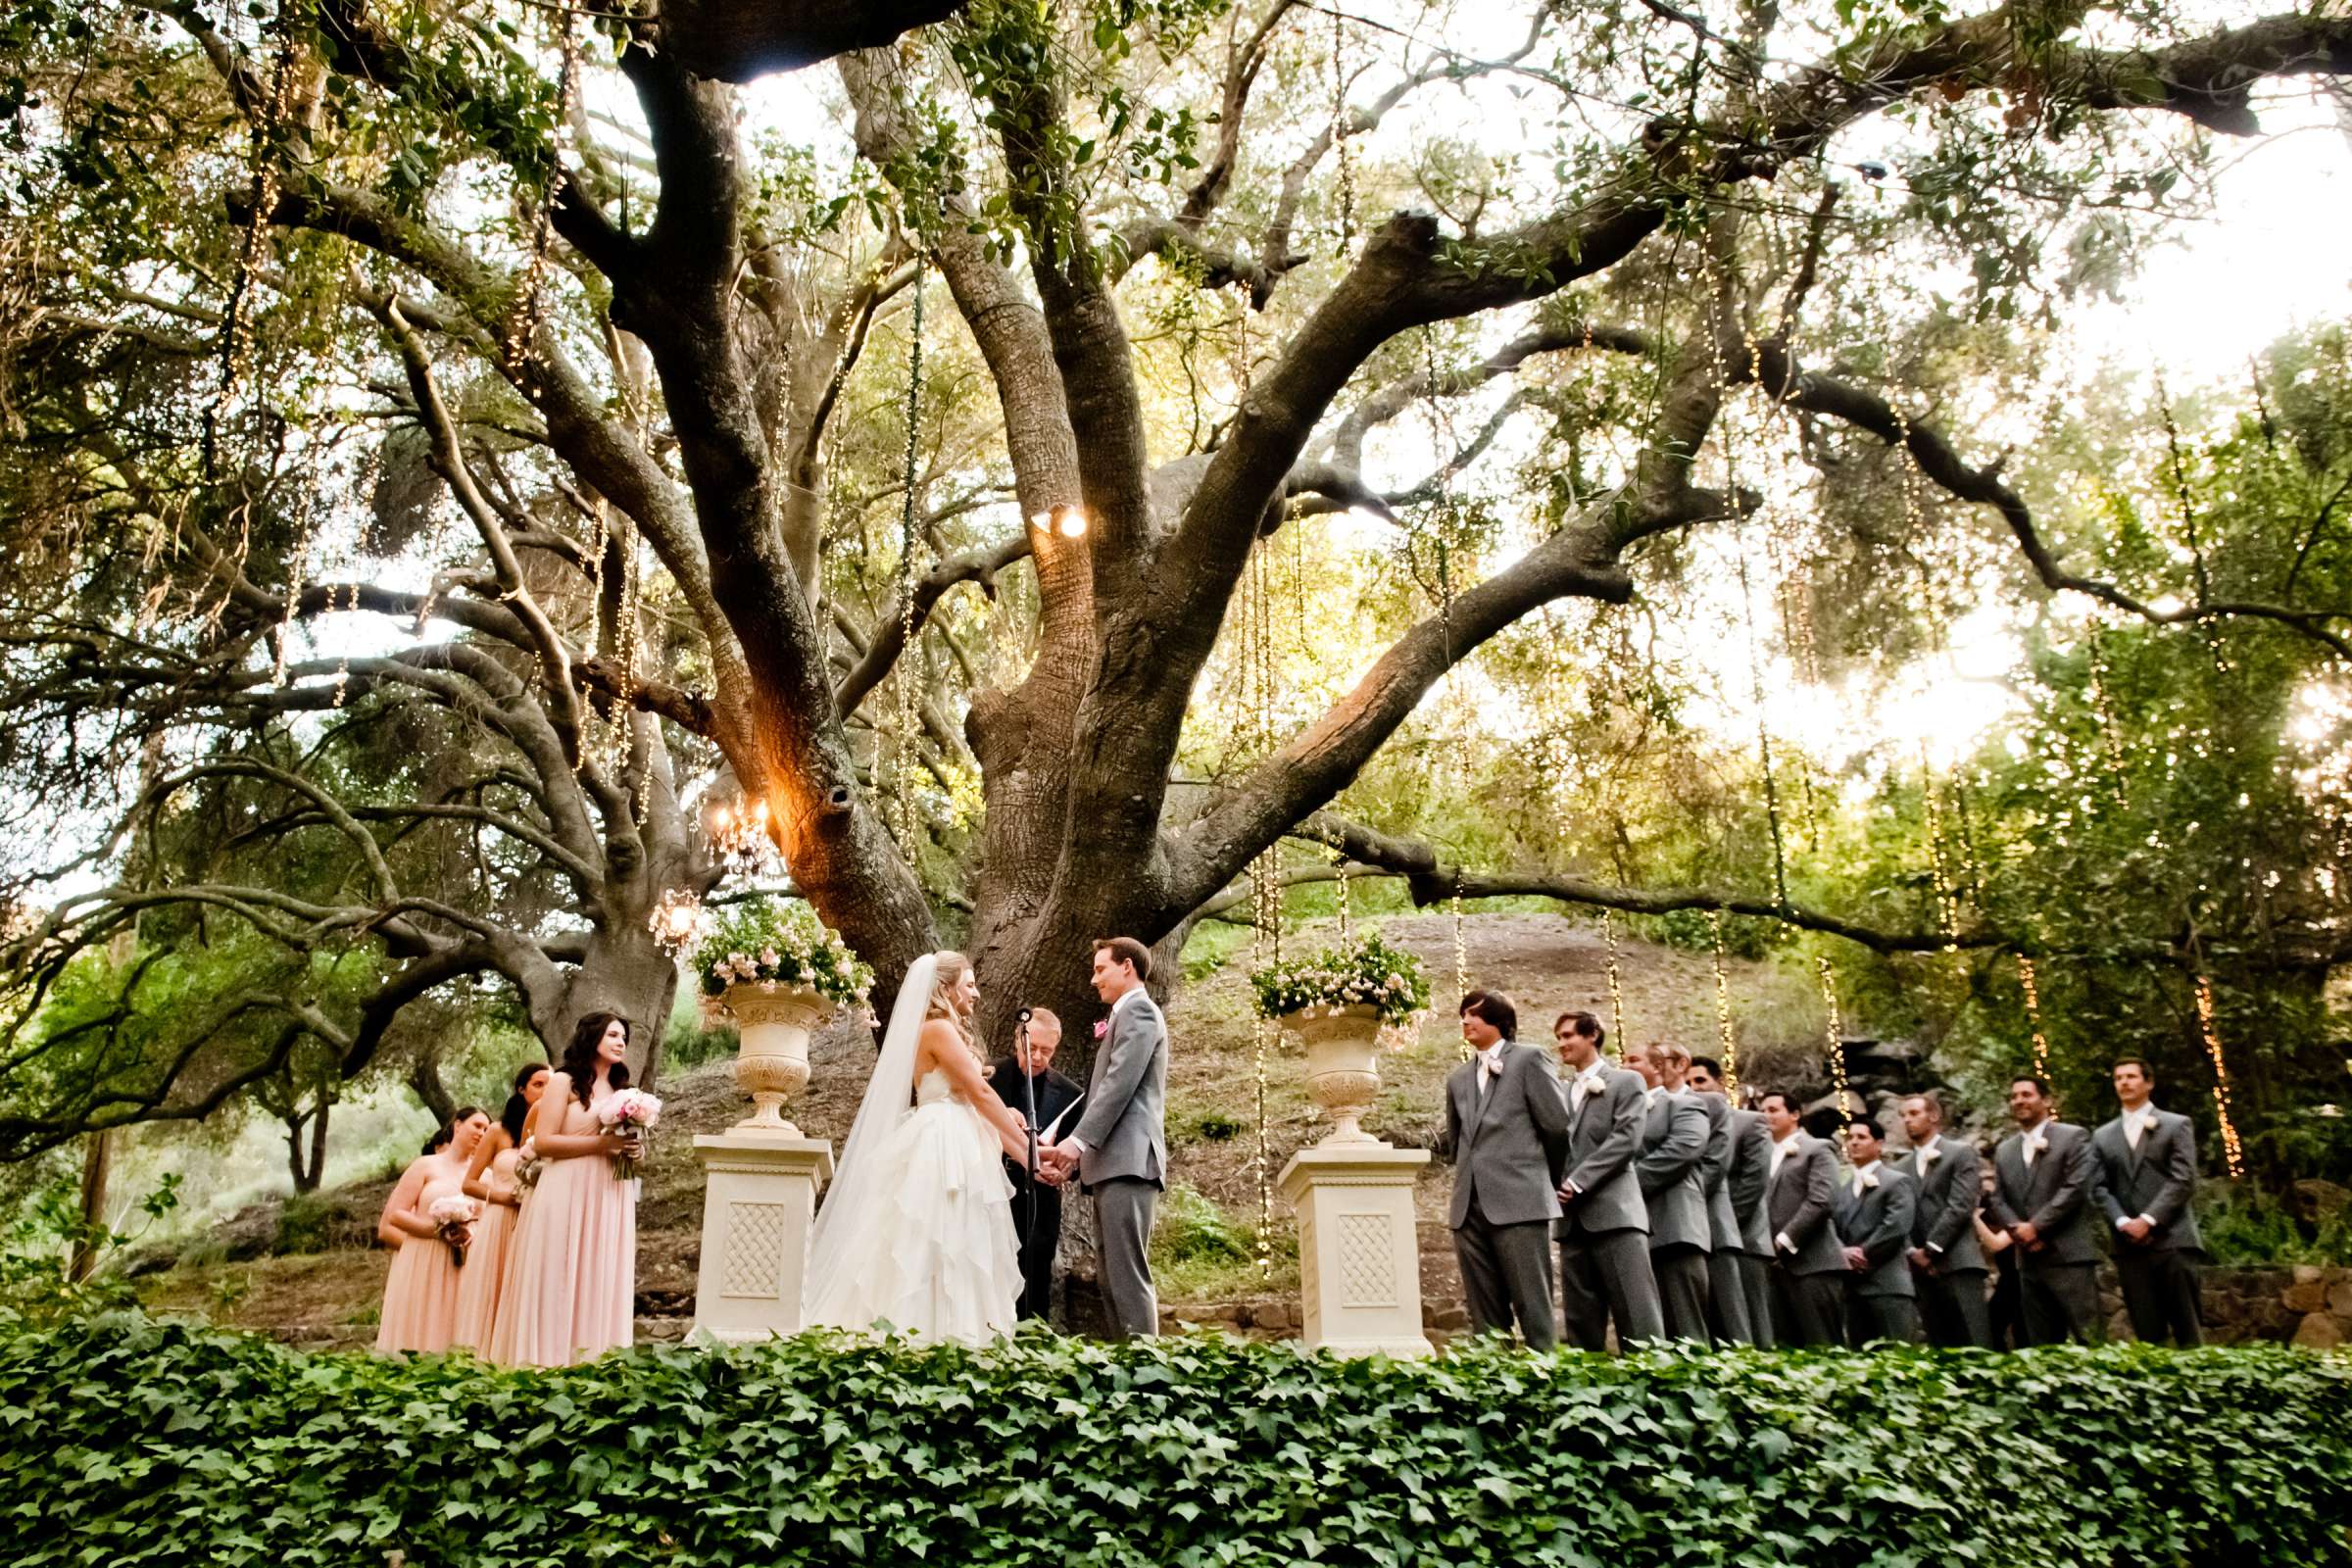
(1365,973)
(1334,1004)
(777,968)
(779,945)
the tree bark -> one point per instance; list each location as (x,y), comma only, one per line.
(97,1167)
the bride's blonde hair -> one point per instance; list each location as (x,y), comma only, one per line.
(950,973)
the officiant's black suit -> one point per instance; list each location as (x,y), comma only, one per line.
(1042,1239)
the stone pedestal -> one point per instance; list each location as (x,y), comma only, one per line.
(758,1196)
(1359,1254)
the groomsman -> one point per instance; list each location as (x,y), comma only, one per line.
(1747,1182)
(1808,1266)
(1727,1298)
(1673,1147)
(1873,1212)
(2147,1176)
(1604,1231)
(1026,1081)
(2044,1179)
(1946,1262)
(1507,1131)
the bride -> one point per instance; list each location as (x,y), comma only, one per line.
(916,1232)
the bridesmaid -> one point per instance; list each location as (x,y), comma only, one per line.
(420,1292)
(572,1269)
(490,1177)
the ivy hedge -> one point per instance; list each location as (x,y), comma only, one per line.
(126,1440)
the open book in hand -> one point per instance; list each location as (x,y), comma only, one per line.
(1052,1129)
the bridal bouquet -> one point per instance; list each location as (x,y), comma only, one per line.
(632,1115)
(527,1169)
(1366,972)
(780,944)
(454,1216)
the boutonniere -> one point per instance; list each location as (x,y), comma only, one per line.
(1101,1027)
(2038,1143)
(1930,1157)
(1870,1183)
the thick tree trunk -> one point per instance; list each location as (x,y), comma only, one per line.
(622,973)
(97,1165)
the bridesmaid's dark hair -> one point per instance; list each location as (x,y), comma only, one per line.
(442,1134)
(579,1058)
(518,1108)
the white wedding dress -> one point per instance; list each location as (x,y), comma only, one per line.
(916,1232)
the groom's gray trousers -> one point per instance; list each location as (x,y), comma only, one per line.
(1123,1210)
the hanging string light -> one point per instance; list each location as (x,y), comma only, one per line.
(1339,128)
(908,677)
(531,299)
(236,330)
(1948,901)
(296,565)
(1462,953)
(2030,984)
(2231,1150)
(1836,1037)
(1723,1012)
(1609,932)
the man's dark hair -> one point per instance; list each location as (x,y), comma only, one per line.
(2041,1084)
(1714,1067)
(1128,951)
(1781,1094)
(1494,1007)
(2141,1062)
(1869,1124)
(1585,1025)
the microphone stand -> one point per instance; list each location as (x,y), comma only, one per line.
(1020,1060)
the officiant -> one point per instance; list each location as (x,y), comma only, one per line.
(1024,1079)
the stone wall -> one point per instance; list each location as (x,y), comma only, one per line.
(2306,1305)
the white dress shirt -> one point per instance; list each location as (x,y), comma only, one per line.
(1587,1083)
(1862,1177)
(2136,1125)
(2037,1137)
(1918,1172)
(1489,1065)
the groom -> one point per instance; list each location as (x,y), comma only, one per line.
(1119,1149)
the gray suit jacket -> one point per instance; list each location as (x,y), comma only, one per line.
(1674,1145)
(1879,1223)
(1747,1180)
(2157,1179)
(1508,1146)
(1605,1136)
(1798,1207)
(1714,1175)
(1944,1219)
(2056,1194)
(1124,1126)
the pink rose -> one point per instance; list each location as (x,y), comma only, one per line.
(1102,1028)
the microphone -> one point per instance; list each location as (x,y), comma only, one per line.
(1023,1015)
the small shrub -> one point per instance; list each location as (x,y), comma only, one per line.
(304,1222)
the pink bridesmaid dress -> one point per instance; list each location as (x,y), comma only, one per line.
(421,1294)
(570,1290)
(481,1283)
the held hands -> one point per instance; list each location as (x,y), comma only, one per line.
(2136,1229)
(1923,1260)
(1856,1259)
(1057,1163)
(2027,1236)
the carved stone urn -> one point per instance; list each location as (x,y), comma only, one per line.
(771,1061)
(1343,1066)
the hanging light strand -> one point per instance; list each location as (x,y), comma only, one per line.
(1462,953)
(1609,932)
(1339,128)
(1836,1037)
(910,545)
(2231,1150)
(1723,1012)
(2029,982)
